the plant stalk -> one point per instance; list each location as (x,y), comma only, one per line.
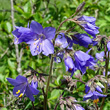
(106,75)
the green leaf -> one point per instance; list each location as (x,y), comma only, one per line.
(27,7)
(18,9)
(55,94)
(7,27)
(57,82)
(27,106)
(4,109)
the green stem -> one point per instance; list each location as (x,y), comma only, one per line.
(106,75)
(33,105)
(48,81)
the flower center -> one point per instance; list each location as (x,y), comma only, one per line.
(42,36)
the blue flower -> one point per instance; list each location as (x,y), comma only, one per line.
(61,41)
(82,40)
(21,87)
(87,88)
(70,67)
(100,56)
(93,95)
(108,46)
(89,25)
(78,107)
(22,34)
(38,38)
(83,60)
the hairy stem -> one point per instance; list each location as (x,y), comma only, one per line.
(106,74)
(65,21)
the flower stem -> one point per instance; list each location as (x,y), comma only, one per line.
(48,81)
(33,105)
(106,75)
(65,21)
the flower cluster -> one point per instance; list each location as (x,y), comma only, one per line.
(41,39)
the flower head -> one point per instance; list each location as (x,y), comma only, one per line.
(82,39)
(89,25)
(83,60)
(100,56)
(61,41)
(21,87)
(70,67)
(38,38)
(93,95)
(78,107)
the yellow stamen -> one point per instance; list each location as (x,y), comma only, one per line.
(21,95)
(96,101)
(39,38)
(37,46)
(35,39)
(34,43)
(40,43)
(18,92)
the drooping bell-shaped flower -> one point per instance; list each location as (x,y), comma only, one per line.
(61,41)
(100,56)
(70,67)
(82,40)
(88,23)
(93,95)
(21,87)
(83,60)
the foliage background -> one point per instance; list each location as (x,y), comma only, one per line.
(48,13)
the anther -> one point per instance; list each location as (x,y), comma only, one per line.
(21,95)
(18,92)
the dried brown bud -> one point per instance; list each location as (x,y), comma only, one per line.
(80,7)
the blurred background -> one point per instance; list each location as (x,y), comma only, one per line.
(48,13)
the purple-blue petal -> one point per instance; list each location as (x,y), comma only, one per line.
(14,82)
(82,56)
(100,55)
(34,84)
(47,47)
(36,27)
(49,32)
(61,40)
(29,93)
(82,39)
(33,90)
(21,79)
(108,46)
(68,63)
(21,87)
